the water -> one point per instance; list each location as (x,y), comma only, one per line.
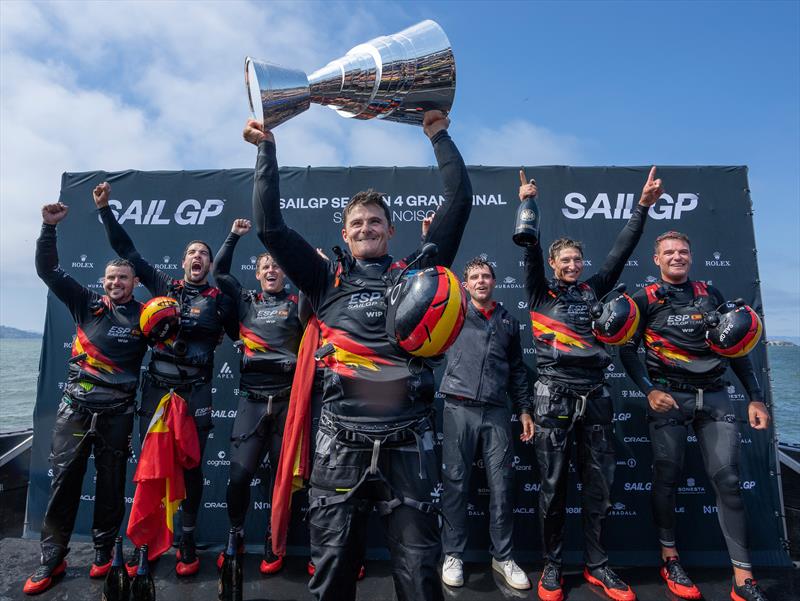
(19,370)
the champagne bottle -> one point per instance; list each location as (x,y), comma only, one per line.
(526,230)
(143,588)
(117,586)
(230,576)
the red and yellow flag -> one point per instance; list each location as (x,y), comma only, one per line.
(294,465)
(170,446)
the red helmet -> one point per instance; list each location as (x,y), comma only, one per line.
(615,322)
(738,331)
(160,318)
(426,311)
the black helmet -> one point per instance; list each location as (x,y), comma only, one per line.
(736,331)
(615,322)
(426,311)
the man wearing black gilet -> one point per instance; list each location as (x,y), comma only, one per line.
(571,398)
(484,370)
(184,365)
(375,441)
(684,384)
(96,411)
(270,331)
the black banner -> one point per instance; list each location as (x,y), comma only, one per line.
(162,211)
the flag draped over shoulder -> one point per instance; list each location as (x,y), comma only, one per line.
(170,446)
(294,466)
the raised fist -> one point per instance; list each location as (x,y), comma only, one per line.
(255,133)
(100,194)
(433,122)
(53,213)
(241,226)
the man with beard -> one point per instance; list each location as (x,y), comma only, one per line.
(184,365)
(270,331)
(683,381)
(96,411)
(571,398)
(375,443)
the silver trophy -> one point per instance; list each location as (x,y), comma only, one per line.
(395,77)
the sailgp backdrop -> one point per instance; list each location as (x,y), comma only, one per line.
(164,210)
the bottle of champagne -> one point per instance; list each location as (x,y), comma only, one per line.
(143,588)
(117,586)
(230,576)
(526,229)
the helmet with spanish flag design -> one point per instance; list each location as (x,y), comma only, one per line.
(616,321)
(426,311)
(160,318)
(735,331)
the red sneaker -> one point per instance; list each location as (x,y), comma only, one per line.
(362,572)
(271,565)
(678,582)
(42,579)
(101,564)
(311,568)
(612,585)
(550,584)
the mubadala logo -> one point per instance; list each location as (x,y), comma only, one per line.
(225,372)
(166,265)
(509,282)
(473,511)
(251,266)
(666,207)
(83,263)
(691,488)
(717,260)
(188,212)
(619,509)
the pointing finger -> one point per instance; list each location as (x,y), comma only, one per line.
(522,179)
(652,174)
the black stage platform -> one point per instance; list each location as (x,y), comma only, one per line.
(20,557)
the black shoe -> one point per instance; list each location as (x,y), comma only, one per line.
(550,583)
(612,585)
(51,567)
(749,591)
(678,580)
(102,562)
(187,552)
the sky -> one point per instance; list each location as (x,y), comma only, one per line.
(159,85)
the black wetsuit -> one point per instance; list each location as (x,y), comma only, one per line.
(187,365)
(96,411)
(269,335)
(680,362)
(571,396)
(375,442)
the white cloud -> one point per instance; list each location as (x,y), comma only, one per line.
(520,142)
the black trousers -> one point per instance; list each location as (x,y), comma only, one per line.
(339,529)
(466,427)
(198,400)
(594,435)
(711,415)
(71,446)
(257,433)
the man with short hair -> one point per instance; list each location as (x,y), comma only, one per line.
(184,364)
(484,368)
(571,398)
(375,443)
(270,330)
(96,411)
(683,381)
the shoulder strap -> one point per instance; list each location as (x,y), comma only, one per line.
(652,293)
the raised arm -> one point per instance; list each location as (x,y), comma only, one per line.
(605,279)
(447,228)
(296,257)
(222,262)
(75,296)
(155,281)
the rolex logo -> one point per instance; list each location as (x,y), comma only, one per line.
(252,260)
(83,258)
(166,258)
(717,255)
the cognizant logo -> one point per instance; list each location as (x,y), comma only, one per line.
(156,212)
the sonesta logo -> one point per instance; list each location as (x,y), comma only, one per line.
(155,212)
(578,206)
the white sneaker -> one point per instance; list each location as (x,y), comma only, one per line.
(513,574)
(453,571)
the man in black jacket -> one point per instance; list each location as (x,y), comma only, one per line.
(571,399)
(375,443)
(484,366)
(96,412)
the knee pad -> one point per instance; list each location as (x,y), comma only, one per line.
(666,474)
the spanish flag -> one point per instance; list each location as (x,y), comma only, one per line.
(294,466)
(170,446)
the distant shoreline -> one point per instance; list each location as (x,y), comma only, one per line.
(15,334)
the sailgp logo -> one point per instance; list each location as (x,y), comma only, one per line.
(83,263)
(155,212)
(225,372)
(717,260)
(621,207)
